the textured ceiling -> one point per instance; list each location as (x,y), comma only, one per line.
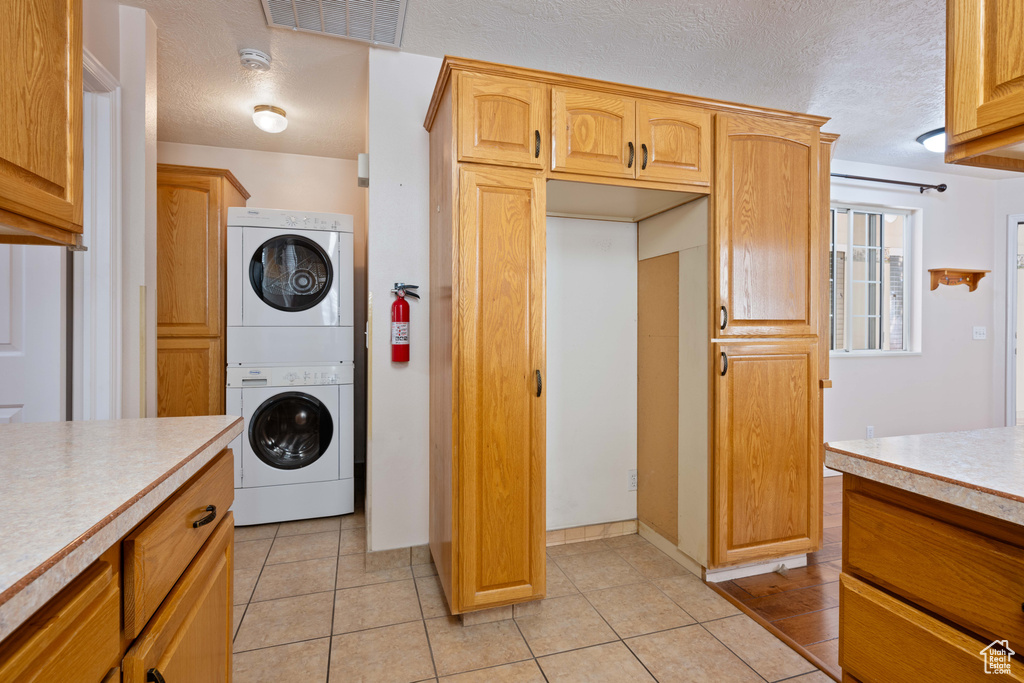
(206,97)
(877,67)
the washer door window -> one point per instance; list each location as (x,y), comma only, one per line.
(291,430)
(290,273)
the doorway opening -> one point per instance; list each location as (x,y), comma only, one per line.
(1014,319)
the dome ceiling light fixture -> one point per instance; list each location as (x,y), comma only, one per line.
(934,140)
(269,119)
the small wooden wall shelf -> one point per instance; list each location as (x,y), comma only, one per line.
(956,276)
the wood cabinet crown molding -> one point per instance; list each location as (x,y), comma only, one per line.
(451,64)
(200,171)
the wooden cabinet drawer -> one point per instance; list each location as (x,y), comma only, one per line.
(883,639)
(76,637)
(189,637)
(160,548)
(971,579)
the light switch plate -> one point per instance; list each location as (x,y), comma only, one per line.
(980,332)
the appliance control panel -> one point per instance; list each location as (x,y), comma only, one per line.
(290,220)
(290,376)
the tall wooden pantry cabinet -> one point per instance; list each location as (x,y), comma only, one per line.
(755,181)
(192,215)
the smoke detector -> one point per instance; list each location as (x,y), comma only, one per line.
(254,60)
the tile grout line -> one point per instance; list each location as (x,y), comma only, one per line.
(617,634)
(735,654)
(334,607)
(423,622)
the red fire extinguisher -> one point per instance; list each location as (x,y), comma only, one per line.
(400,321)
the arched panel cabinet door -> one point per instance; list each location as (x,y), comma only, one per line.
(767,467)
(594,133)
(674,143)
(502,121)
(767,227)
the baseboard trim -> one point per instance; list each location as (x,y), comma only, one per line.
(669,548)
(743,571)
(590,532)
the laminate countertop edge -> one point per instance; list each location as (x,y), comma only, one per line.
(31,592)
(932,482)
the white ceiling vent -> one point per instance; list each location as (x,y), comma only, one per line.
(370,21)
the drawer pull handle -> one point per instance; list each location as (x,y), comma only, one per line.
(212,509)
(154,676)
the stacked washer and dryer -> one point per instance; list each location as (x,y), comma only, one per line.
(290,363)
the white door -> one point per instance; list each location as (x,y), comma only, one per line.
(32,333)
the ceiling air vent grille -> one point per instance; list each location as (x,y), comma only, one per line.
(370,21)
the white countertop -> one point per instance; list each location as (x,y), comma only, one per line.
(981,470)
(71,490)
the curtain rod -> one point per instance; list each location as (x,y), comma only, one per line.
(921,186)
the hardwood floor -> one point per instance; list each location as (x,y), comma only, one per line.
(804,605)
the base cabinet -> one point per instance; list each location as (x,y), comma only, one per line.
(767,473)
(88,631)
(926,588)
(189,638)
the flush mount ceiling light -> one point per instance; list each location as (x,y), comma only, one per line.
(269,119)
(934,140)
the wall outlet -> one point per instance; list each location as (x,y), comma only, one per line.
(870,431)
(632,480)
(980,332)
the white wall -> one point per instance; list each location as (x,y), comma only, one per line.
(279,181)
(591,381)
(100,33)
(949,385)
(138,217)
(398,244)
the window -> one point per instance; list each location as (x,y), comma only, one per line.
(867,279)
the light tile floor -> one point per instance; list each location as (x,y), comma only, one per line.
(307,611)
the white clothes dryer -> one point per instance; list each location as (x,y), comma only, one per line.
(294,458)
(290,287)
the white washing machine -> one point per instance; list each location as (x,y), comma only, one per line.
(293,460)
(290,287)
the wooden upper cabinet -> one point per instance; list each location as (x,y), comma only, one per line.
(674,143)
(594,133)
(502,121)
(767,469)
(985,83)
(500,491)
(767,227)
(41,140)
(190,245)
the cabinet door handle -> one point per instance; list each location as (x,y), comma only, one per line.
(536,144)
(212,509)
(539,383)
(154,676)
(725,363)
(631,154)
(643,165)
(725,317)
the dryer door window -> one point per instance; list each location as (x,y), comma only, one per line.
(291,273)
(290,430)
